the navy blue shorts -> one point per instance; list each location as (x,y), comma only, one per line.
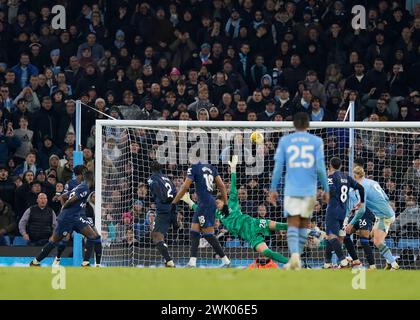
(366,222)
(164,220)
(68,225)
(333,224)
(205,216)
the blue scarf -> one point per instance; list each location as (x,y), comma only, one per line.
(318,117)
(229,25)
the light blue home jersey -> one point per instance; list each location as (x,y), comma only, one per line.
(303,155)
(353,200)
(376,200)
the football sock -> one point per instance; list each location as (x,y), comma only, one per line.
(275,256)
(337,248)
(60,248)
(98,251)
(386,253)
(328,252)
(163,250)
(45,251)
(348,242)
(215,244)
(293,239)
(303,236)
(195,241)
(88,250)
(367,248)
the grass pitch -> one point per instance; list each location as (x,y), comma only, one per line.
(208,284)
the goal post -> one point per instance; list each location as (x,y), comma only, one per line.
(124,211)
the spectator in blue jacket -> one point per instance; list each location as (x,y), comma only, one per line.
(24,70)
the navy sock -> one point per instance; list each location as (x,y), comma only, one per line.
(98,251)
(215,244)
(163,250)
(336,246)
(46,251)
(367,248)
(88,249)
(195,241)
(328,252)
(60,248)
(348,242)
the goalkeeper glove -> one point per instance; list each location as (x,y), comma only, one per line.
(233,163)
(187,199)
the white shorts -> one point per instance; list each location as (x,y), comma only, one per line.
(299,206)
(383,224)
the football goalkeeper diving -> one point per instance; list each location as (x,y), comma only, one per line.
(241,225)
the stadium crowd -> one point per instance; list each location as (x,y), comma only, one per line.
(240,60)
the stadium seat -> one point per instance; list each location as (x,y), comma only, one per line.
(235,243)
(19,242)
(409,243)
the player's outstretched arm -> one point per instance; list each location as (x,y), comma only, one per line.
(222,188)
(184,188)
(277,172)
(233,196)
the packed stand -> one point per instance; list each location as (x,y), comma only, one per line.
(196,60)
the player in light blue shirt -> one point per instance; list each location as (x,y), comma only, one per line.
(377,202)
(303,156)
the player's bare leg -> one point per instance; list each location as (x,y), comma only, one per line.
(93,238)
(52,243)
(159,240)
(379,242)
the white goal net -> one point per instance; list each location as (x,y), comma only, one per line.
(125,212)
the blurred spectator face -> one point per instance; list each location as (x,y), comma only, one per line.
(278,117)
(30,159)
(316,105)
(417,99)
(202,115)
(295,61)
(262,211)
(398,15)
(306,95)
(416,164)
(378,65)
(170,98)
(91,39)
(128,99)
(10,77)
(410,201)
(374,117)
(257,96)
(70,139)
(142,191)
(4,174)
(70,107)
(203,94)
(28,177)
(404,112)
(22,105)
(4,91)
(184,116)
(214,113)
(36,188)
(252,116)
(23,123)
(217,49)
(241,106)
(381,105)
(24,59)
(359,69)
(227,99)
(155,89)
(245,49)
(227,117)
(74,63)
(193,76)
(139,84)
(270,107)
(87,154)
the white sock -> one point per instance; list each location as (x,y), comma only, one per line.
(193,261)
(225,260)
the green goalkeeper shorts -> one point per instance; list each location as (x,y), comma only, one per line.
(254,231)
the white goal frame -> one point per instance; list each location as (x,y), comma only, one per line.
(222,125)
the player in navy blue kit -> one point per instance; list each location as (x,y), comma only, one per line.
(70,218)
(163,192)
(203,176)
(340,184)
(68,187)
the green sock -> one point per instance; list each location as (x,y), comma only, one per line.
(275,256)
(281,226)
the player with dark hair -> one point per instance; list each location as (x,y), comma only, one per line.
(70,185)
(163,192)
(302,154)
(70,218)
(204,175)
(241,225)
(340,184)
